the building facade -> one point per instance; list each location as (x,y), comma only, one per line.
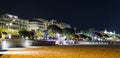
(14,22)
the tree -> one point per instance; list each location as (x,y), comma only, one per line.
(68,31)
(23,32)
(31,33)
(105,36)
(2,29)
(54,28)
(98,34)
(76,37)
(85,37)
(1,18)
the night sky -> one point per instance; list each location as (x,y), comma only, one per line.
(83,14)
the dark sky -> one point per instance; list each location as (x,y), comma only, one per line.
(83,14)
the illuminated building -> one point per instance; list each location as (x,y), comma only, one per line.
(12,22)
(9,21)
(110,33)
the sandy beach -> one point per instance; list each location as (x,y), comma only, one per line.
(64,52)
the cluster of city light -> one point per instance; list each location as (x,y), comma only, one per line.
(111,33)
(60,38)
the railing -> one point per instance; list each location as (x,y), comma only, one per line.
(88,43)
